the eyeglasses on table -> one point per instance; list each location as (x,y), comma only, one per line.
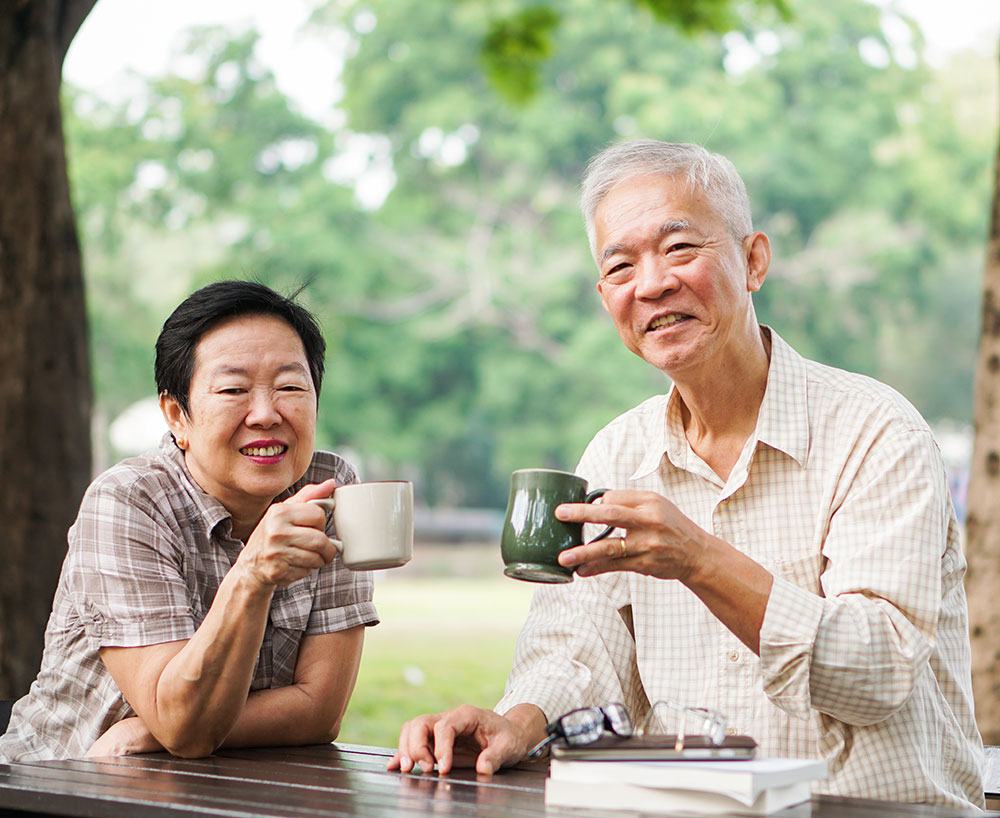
(585,725)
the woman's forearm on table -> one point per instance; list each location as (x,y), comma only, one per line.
(310,710)
(190,694)
(202,691)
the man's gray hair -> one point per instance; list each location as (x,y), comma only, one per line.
(712,173)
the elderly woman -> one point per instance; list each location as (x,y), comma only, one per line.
(201,603)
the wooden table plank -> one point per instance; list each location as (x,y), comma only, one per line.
(324,781)
(246,783)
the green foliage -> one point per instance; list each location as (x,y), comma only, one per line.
(513,48)
(465,335)
(517,44)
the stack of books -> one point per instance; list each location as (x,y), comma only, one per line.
(755,787)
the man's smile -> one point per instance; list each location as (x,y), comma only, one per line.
(667,320)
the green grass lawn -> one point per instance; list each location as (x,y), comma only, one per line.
(442,641)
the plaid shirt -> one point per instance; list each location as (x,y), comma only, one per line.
(841,494)
(147,553)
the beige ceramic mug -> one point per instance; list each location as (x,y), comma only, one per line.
(373,523)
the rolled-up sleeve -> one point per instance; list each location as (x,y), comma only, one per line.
(854,653)
(127,578)
(343,599)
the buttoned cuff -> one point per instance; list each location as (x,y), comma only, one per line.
(330,620)
(553,697)
(152,630)
(787,638)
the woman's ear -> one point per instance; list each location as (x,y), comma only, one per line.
(176,418)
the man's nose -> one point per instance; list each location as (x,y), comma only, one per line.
(263,410)
(653,278)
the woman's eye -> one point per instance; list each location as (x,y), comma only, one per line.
(292,388)
(233,390)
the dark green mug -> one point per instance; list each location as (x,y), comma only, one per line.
(532,536)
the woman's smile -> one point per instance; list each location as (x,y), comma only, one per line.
(265,451)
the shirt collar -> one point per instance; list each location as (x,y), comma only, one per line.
(665,433)
(782,424)
(207,506)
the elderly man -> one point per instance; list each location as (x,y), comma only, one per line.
(787,549)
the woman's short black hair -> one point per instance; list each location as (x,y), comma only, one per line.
(204,308)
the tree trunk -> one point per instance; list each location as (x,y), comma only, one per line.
(983,521)
(45,392)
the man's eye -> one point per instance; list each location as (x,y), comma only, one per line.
(680,246)
(620,272)
(291,387)
(233,390)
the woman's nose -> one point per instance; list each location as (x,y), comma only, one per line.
(263,410)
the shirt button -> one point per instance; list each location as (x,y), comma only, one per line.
(734,656)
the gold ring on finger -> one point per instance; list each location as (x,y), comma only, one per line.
(624,549)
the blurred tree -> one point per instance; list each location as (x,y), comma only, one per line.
(45,389)
(465,335)
(167,184)
(850,158)
(983,520)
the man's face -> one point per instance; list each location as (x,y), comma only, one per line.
(673,277)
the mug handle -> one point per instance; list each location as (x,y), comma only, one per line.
(328,504)
(591,497)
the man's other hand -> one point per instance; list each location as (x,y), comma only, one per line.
(467,737)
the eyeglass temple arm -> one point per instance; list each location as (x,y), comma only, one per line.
(542,746)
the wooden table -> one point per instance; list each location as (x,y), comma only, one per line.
(326,780)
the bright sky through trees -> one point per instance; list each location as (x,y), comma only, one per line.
(122,35)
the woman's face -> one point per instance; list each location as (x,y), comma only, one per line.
(252,423)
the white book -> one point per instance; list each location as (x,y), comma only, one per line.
(756,786)
(991,771)
(637,798)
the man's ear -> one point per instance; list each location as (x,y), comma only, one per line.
(758,255)
(600,289)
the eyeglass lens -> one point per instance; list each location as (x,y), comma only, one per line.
(586,725)
(618,720)
(686,721)
(582,726)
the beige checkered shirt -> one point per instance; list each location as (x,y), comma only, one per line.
(146,556)
(864,652)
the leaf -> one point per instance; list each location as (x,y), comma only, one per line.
(515,47)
